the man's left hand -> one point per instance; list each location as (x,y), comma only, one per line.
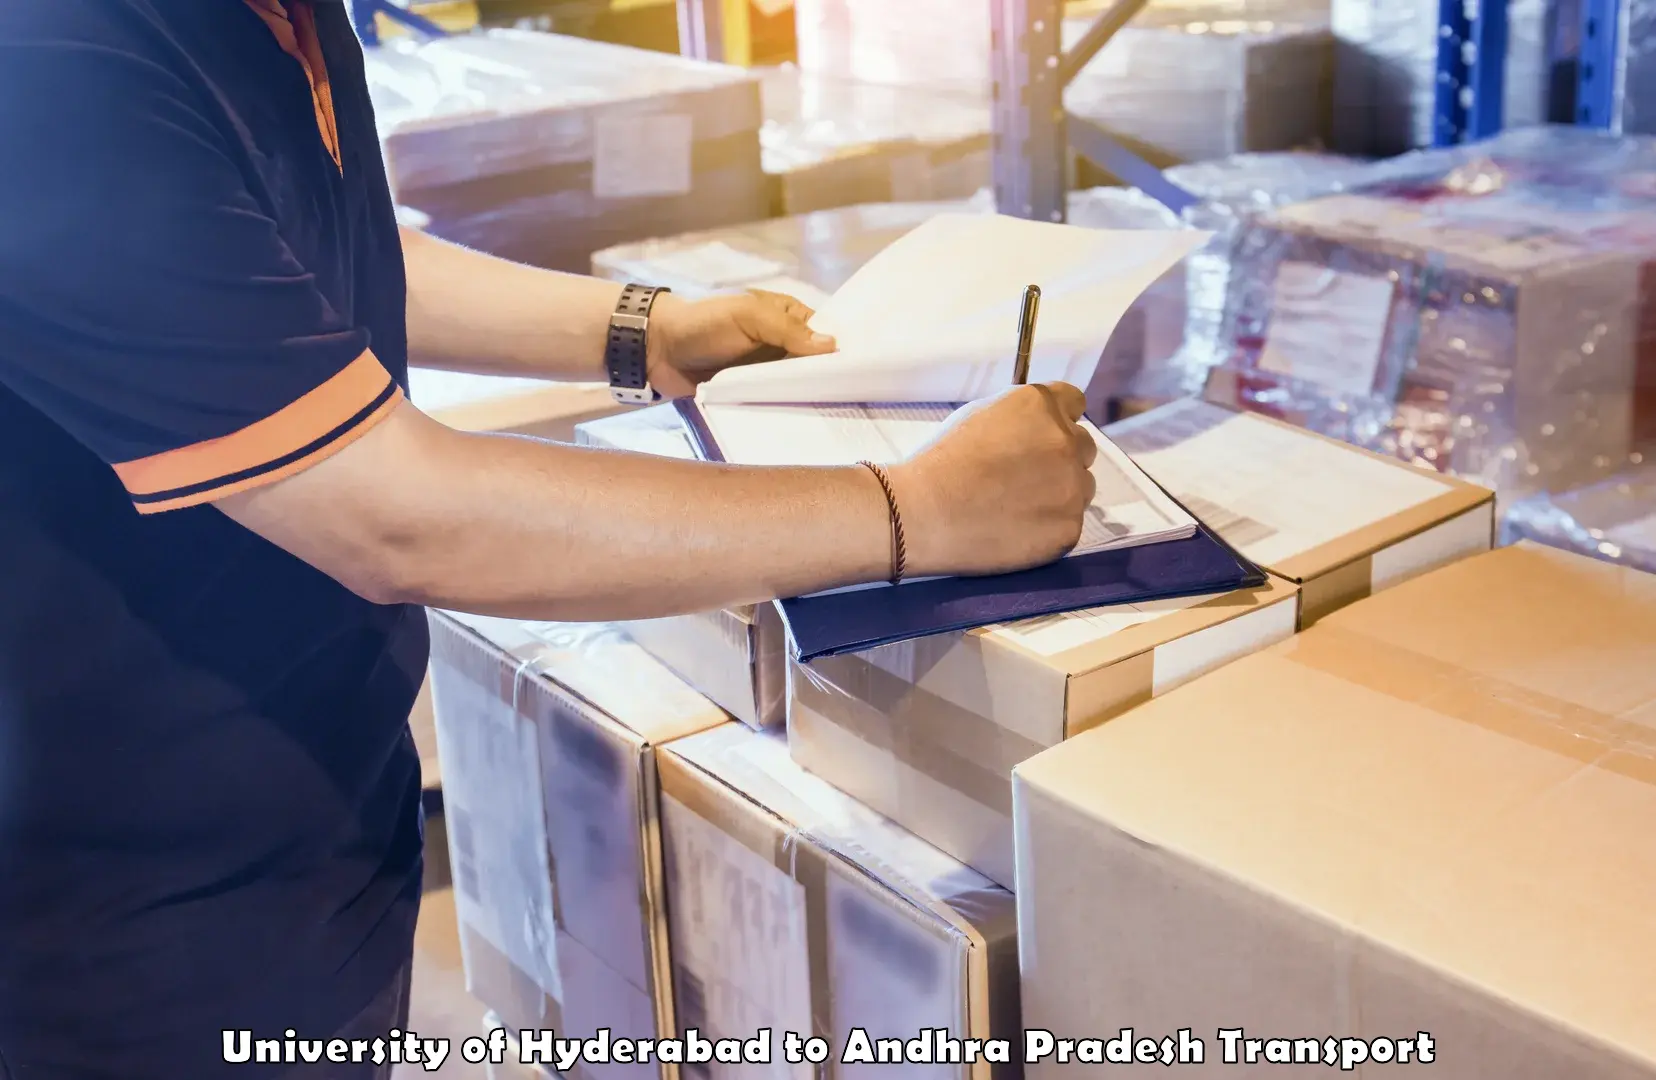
(691,341)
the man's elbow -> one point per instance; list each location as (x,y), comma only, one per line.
(383,565)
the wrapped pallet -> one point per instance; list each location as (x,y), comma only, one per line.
(544,149)
(1233,192)
(1614,520)
(1487,315)
(831,142)
(1386,64)
(1186,80)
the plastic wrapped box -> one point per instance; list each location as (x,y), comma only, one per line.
(1614,520)
(1186,80)
(548,736)
(831,142)
(793,908)
(1385,71)
(1486,312)
(927,731)
(543,149)
(1234,191)
(1193,82)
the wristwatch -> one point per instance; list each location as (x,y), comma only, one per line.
(626,356)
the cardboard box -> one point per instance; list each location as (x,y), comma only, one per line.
(927,731)
(542,148)
(1431,813)
(795,909)
(830,142)
(1338,521)
(548,736)
(737,657)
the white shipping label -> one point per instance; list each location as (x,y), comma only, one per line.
(496,821)
(1270,491)
(893,978)
(642,157)
(1639,534)
(739,944)
(1327,327)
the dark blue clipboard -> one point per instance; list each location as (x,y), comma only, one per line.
(853,621)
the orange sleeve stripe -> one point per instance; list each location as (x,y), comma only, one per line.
(282,472)
(267,443)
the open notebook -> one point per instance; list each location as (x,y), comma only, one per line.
(933,319)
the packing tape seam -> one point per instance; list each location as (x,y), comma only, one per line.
(915,749)
(1497,705)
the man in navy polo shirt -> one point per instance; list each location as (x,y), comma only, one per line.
(220,519)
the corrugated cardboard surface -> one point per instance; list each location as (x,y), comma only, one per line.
(795,909)
(1433,812)
(1253,478)
(547,735)
(737,657)
(927,731)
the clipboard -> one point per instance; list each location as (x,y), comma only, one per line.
(831,624)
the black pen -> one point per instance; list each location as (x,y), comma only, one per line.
(1026,333)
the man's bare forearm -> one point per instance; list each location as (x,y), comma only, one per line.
(475,313)
(518,528)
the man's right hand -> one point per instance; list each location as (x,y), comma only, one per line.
(1004,486)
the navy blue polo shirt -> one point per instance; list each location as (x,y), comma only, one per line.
(209,798)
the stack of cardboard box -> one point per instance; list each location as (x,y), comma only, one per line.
(544,149)
(1398,796)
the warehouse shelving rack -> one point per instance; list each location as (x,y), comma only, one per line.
(1034,136)
(365,13)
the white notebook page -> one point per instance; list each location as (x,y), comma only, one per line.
(934,316)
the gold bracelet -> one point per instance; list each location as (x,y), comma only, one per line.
(899,549)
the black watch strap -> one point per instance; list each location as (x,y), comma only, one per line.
(626,353)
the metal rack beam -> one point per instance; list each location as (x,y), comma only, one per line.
(720,31)
(1471,71)
(364,15)
(1033,135)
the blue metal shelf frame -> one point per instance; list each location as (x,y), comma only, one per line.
(1033,134)
(1471,71)
(1596,76)
(364,12)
